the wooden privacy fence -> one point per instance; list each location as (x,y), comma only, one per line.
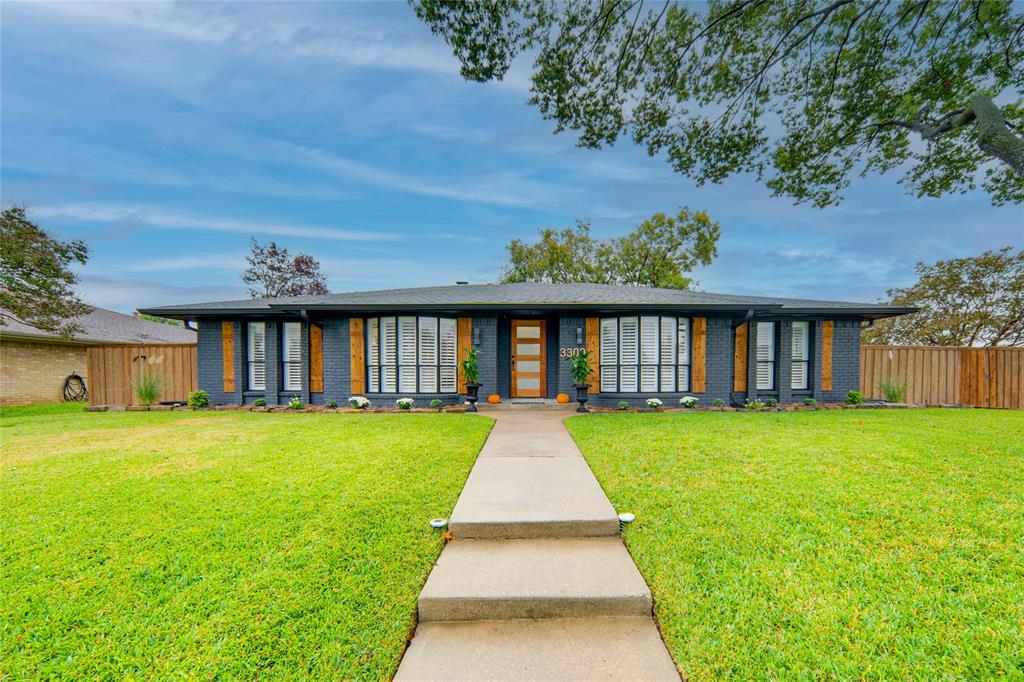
(113,371)
(938,375)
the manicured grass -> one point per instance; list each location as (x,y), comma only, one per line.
(840,545)
(219,545)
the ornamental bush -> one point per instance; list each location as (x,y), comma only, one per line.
(653,403)
(622,405)
(331,404)
(689,401)
(199,399)
(359,402)
(295,403)
(855,398)
(719,402)
(404,403)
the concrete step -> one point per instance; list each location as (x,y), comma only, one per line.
(535,578)
(600,648)
(532,497)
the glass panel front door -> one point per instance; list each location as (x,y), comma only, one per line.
(528,375)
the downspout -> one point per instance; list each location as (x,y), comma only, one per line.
(306,394)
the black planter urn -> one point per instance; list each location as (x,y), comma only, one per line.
(471,396)
(581,397)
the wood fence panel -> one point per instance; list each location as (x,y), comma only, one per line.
(938,375)
(113,371)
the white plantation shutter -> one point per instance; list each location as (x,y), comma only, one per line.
(628,353)
(609,354)
(649,336)
(388,354)
(372,355)
(766,355)
(292,354)
(798,374)
(407,355)
(257,333)
(428,354)
(683,354)
(667,356)
(449,360)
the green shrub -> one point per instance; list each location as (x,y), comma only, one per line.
(622,405)
(148,387)
(260,402)
(854,398)
(199,399)
(893,390)
(718,402)
(753,405)
(771,402)
(331,404)
(295,403)
(436,404)
(810,401)
(580,368)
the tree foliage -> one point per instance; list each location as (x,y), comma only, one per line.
(272,272)
(802,93)
(36,280)
(657,253)
(975,301)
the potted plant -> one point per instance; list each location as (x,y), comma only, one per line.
(580,370)
(471,372)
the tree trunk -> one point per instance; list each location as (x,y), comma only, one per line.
(994,136)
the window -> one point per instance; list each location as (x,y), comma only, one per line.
(410,354)
(800,355)
(256,356)
(291,346)
(645,354)
(765,356)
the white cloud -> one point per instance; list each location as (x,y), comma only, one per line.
(128,294)
(163,219)
(221,261)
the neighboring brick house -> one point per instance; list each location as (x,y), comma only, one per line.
(644,343)
(34,364)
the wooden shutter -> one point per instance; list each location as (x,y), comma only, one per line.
(357,366)
(698,365)
(465,342)
(739,359)
(593,352)
(826,355)
(610,354)
(227,346)
(316,358)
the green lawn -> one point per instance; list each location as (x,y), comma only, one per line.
(847,544)
(219,545)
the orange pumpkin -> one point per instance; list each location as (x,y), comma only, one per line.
(494,399)
(563,398)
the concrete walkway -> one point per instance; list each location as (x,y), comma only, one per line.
(536,584)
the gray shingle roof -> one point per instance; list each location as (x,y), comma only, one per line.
(527,294)
(106,326)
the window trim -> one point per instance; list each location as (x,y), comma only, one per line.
(806,362)
(639,366)
(773,362)
(375,372)
(250,362)
(285,362)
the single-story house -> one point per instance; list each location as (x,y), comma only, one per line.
(644,342)
(34,363)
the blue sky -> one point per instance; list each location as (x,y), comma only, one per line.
(166,134)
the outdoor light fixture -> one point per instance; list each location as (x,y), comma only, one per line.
(438,523)
(626,517)
(579,336)
(476,336)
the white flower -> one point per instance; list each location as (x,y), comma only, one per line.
(404,403)
(653,402)
(359,402)
(689,401)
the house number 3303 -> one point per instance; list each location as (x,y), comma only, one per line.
(569,352)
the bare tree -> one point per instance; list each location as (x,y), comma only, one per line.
(273,273)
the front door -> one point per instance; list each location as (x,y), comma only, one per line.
(528,375)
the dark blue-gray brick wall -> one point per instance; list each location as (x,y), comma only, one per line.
(493,335)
